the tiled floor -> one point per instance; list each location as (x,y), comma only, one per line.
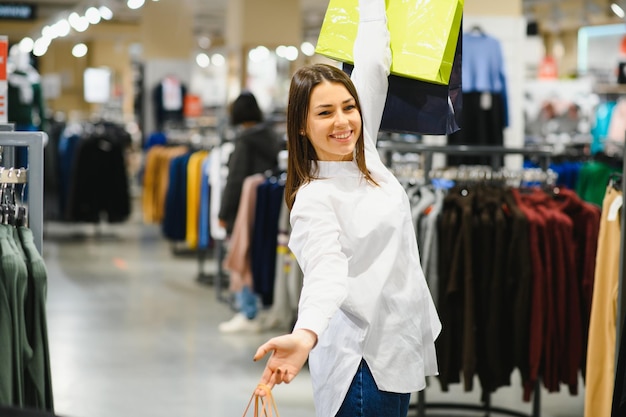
(132,334)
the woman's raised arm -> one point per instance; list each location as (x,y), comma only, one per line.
(372,60)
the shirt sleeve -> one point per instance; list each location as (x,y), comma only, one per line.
(372,62)
(314,240)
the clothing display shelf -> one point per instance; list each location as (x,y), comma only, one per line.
(544,153)
(34,141)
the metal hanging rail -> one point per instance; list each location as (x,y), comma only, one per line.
(34,141)
(496,152)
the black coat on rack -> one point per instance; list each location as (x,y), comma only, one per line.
(99,181)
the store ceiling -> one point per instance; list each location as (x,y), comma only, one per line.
(551,15)
(563,15)
(209,15)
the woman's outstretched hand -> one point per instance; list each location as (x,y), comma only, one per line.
(289,354)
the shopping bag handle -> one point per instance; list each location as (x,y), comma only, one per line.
(268,404)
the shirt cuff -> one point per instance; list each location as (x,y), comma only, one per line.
(312,322)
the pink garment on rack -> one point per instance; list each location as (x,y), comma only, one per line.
(237,260)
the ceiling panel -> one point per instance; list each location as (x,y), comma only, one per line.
(210,15)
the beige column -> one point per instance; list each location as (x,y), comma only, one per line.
(166,29)
(251,23)
(493,8)
(167,46)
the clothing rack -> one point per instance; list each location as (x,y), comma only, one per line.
(218,278)
(544,154)
(34,141)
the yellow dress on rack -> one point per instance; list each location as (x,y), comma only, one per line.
(194,176)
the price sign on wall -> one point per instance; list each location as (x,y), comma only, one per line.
(4,86)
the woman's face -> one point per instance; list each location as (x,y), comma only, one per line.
(333,122)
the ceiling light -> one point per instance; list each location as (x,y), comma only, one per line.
(281,50)
(218,60)
(73,19)
(105,12)
(61,28)
(93,15)
(619,12)
(204,42)
(79,23)
(41,46)
(259,54)
(49,32)
(203,60)
(26,45)
(307,48)
(291,53)
(79,50)
(135,4)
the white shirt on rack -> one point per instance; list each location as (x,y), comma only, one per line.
(364,291)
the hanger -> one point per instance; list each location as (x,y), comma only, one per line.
(615,180)
(613,161)
(477,30)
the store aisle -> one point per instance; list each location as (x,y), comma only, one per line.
(132,333)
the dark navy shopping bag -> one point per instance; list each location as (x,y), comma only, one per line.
(419,107)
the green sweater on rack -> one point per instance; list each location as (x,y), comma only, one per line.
(38,379)
(593,179)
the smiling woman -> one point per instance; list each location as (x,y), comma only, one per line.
(333,122)
(366,320)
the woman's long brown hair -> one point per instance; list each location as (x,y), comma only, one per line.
(302,160)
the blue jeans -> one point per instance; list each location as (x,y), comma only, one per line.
(246,302)
(364,399)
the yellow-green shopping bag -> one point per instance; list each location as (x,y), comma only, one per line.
(424,35)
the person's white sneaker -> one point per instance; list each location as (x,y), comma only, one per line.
(240,323)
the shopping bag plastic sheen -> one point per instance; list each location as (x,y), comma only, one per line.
(424,35)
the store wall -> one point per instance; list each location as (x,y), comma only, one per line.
(569,61)
(251,23)
(114,55)
(166,29)
(108,45)
(492,8)
(59,60)
(283,26)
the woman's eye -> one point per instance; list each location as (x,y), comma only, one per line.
(350,107)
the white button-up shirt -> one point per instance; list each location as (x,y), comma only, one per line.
(364,292)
